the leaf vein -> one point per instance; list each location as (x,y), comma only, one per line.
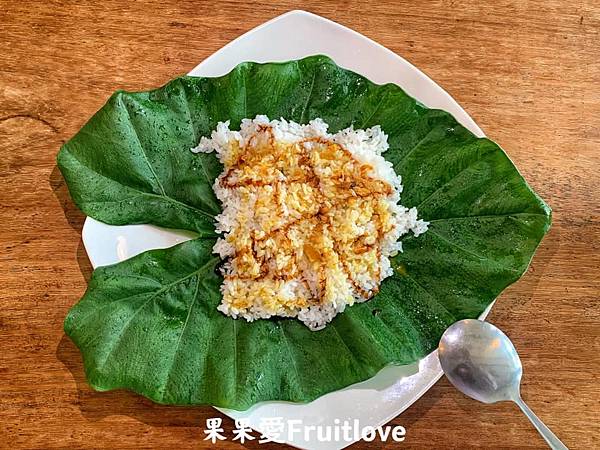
(454,177)
(485,216)
(469,252)
(383,98)
(430,295)
(152,297)
(310,92)
(293,361)
(177,345)
(199,157)
(414,147)
(161,187)
(142,193)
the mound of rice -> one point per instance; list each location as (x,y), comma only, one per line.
(310,219)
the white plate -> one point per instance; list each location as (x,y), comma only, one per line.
(294,35)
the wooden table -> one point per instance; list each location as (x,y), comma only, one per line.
(528,73)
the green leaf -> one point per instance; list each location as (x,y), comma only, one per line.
(131,163)
(150,324)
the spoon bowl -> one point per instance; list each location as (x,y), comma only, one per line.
(481,361)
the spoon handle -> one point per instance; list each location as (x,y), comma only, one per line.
(553,442)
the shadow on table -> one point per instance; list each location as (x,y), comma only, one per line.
(511,303)
(74,217)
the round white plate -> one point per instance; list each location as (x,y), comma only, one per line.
(294,35)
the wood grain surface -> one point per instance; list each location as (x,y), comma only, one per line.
(529,74)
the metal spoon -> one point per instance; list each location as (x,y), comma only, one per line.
(480,361)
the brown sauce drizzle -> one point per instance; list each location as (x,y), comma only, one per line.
(309,177)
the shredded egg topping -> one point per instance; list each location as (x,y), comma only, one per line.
(303,227)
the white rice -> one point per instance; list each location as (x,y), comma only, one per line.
(366,147)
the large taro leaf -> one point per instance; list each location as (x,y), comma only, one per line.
(150,324)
